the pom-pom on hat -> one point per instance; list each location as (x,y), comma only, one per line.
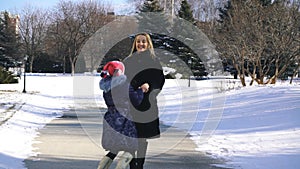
(113,68)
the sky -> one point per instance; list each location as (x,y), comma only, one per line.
(120,6)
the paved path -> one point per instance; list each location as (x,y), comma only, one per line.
(72,142)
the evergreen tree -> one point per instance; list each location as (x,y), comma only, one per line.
(184,27)
(266,2)
(185,11)
(8,37)
(151,6)
(224,12)
(4,34)
(7,77)
(152,19)
(2,37)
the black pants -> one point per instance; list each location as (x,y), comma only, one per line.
(139,160)
(111,155)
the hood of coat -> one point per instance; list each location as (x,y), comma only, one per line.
(108,83)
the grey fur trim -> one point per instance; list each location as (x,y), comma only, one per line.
(108,83)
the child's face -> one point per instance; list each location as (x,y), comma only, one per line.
(141,43)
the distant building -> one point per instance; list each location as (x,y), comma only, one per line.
(13,21)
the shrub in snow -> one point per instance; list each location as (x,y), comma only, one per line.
(7,77)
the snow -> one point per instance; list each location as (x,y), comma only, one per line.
(30,112)
(253,127)
(260,128)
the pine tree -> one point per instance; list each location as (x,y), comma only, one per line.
(2,37)
(151,6)
(5,61)
(152,19)
(8,37)
(266,2)
(184,26)
(224,12)
(185,11)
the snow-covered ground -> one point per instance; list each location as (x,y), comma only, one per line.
(251,127)
(23,114)
(260,129)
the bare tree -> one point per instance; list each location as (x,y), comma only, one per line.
(33,24)
(258,38)
(206,10)
(73,23)
(296,69)
(284,37)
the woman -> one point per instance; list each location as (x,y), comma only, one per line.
(144,71)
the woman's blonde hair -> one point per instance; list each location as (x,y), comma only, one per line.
(150,44)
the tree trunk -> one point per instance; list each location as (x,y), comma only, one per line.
(273,81)
(72,66)
(291,81)
(251,83)
(242,78)
(31,64)
(295,73)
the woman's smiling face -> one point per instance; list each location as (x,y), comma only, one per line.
(141,43)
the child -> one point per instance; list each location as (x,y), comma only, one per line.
(119,131)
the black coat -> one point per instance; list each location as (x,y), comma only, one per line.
(141,68)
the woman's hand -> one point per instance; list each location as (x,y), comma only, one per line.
(145,87)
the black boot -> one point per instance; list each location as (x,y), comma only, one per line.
(133,163)
(140,163)
(137,163)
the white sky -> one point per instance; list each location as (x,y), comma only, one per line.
(120,6)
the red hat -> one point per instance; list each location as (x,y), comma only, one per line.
(114,68)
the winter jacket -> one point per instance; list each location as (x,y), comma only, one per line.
(142,68)
(119,131)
